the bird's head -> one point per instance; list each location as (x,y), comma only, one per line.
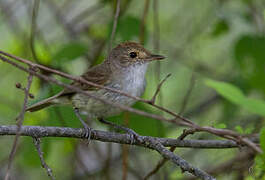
(131,53)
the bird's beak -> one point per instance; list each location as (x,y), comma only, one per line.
(153,57)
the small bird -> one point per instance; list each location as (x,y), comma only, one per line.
(124,69)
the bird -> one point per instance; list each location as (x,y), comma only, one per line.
(123,69)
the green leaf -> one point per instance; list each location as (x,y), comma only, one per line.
(220,28)
(227,90)
(128,28)
(235,95)
(239,129)
(70,51)
(221,126)
(249,55)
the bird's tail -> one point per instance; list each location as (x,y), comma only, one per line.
(44,103)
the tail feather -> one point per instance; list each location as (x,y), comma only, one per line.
(43,104)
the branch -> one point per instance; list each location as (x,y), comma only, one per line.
(20,120)
(157,144)
(104,136)
(36,142)
(115,22)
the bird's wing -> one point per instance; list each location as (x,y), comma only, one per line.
(99,74)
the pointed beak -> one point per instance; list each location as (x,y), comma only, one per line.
(156,57)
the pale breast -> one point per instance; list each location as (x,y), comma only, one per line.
(131,81)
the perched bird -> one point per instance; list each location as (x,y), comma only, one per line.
(124,69)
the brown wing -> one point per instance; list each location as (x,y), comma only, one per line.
(99,74)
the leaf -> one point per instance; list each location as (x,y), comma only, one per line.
(239,129)
(227,90)
(221,126)
(249,55)
(70,51)
(220,28)
(235,95)
(128,28)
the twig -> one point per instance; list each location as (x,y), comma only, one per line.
(36,142)
(33,29)
(142,25)
(184,165)
(115,22)
(152,101)
(181,137)
(156,37)
(19,123)
(187,96)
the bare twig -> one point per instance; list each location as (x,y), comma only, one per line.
(20,120)
(156,37)
(187,96)
(142,25)
(37,142)
(115,22)
(33,29)
(152,101)
(181,137)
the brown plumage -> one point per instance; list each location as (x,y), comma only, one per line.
(124,69)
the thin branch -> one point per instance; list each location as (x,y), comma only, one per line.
(33,29)
(156,37)
(181,137)
(20,120)
(142,25)
(115,22)
(152,101)
(187,96)
(36,142)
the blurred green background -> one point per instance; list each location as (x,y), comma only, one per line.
(217,47)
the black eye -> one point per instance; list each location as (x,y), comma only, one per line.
(133,54)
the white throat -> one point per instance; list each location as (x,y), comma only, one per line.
(133,79)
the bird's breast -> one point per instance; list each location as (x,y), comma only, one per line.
(132,80)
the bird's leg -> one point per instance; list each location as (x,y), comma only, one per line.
(133,134)
(88,130)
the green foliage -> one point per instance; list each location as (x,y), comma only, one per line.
(220,28)
(128,28)
(220,126)
(235,95)
(249,54)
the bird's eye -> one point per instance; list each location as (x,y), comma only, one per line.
(133,54)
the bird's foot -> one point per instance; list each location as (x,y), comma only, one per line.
(87,129)
(132,134)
